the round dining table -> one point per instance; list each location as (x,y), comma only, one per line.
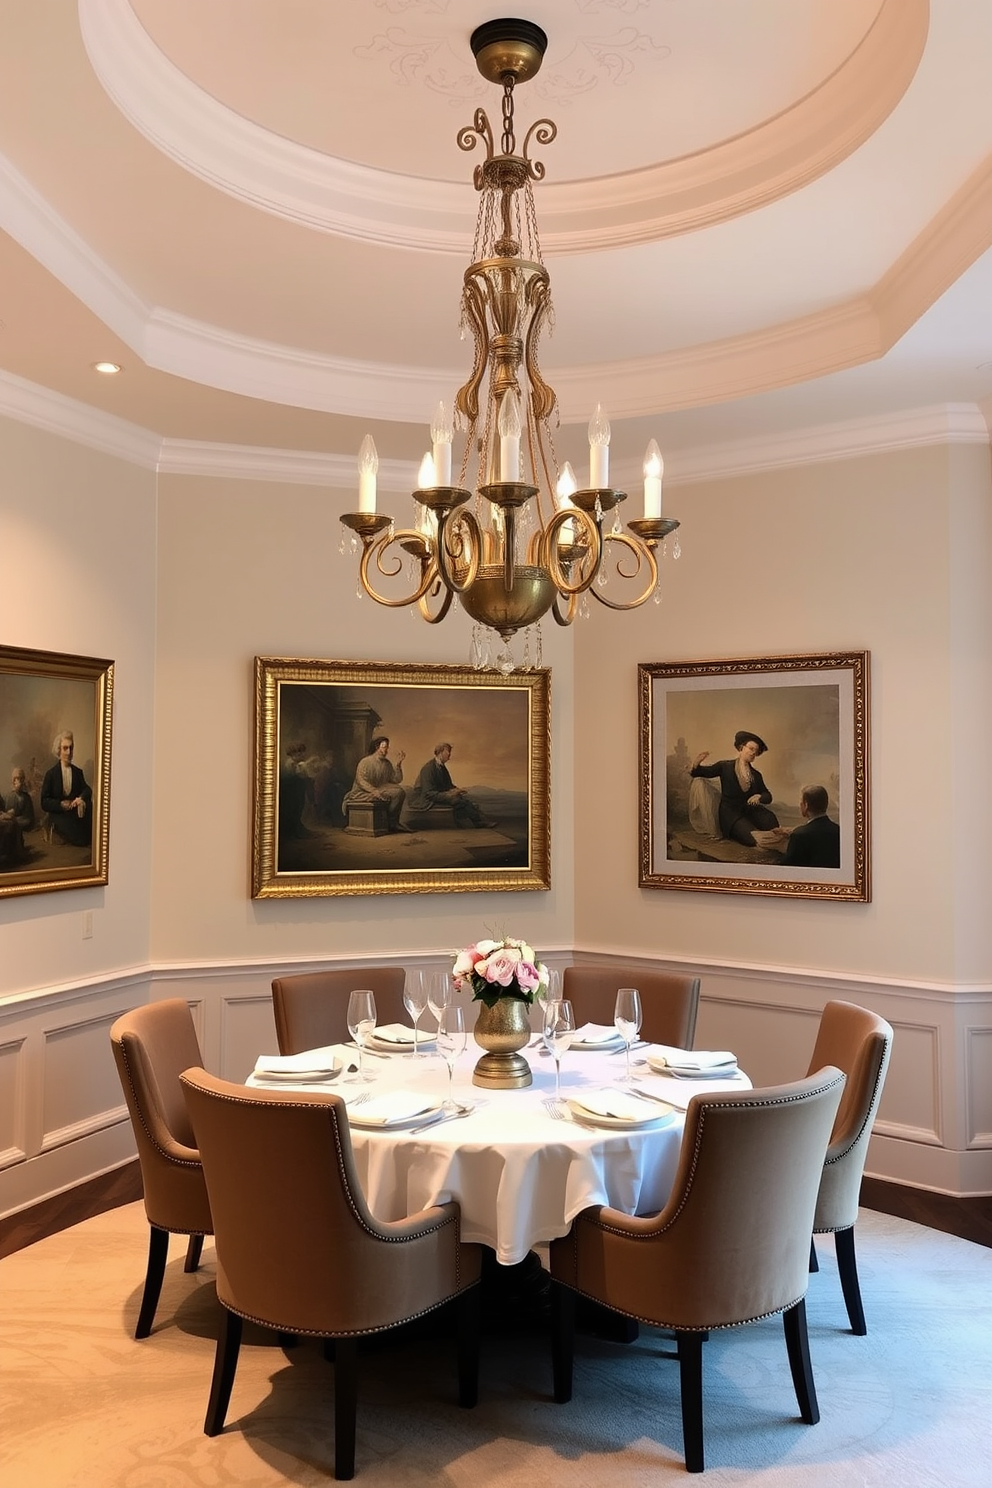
(519,1164)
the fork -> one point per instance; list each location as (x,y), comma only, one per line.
(555,1109)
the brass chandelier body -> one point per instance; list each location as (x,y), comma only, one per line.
(509,552)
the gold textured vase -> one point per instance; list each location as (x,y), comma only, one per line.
(502,1030)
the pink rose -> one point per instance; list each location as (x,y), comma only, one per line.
(465,961)
(528,976)
(501,967)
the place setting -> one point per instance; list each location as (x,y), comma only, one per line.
(616,1110)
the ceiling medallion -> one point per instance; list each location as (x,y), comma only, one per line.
(527,542)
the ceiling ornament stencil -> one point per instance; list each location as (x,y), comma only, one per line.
(426,60)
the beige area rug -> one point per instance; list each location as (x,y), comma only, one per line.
(82,1405)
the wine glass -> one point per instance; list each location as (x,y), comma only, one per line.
(361,1024)
(415,1001)
(559,1030)
(552,992)
(439,994)
(451,1040)
(627,1017)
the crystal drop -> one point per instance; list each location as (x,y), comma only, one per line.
(677,550)
(584,607)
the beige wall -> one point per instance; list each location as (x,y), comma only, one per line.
(78,574)
(247,569)
(888,553)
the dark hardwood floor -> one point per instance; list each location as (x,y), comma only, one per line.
(970,1219)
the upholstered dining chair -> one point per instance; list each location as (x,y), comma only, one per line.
(152,1046)
(335,1272)
(860,1043)
(730,1246)
(310,1008)
(669,1000)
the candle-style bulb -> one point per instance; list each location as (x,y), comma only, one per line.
(653,468)
(567,485)
(368,466)
(508,428)
(426,478)
(508,424)
(442,433)
(599,450)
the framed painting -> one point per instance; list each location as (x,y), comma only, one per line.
(754,776)
(382,778)
(55,728)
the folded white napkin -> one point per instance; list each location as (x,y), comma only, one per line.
(613,1104)
(311,1062)
(390,1108)
(401,1033)
(692,1061)
(595,1036)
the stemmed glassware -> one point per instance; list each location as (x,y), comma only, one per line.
(552,992)
(452,1036)
(627,1018)
(415,1001)
(361,1024)
(559,1031)
(439,994)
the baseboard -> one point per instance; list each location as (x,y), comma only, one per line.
(969,1218)
(63,1210)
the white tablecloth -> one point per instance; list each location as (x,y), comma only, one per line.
(520,1175)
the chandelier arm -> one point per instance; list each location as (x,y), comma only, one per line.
(445,606)
(447,553)
(591,542)
(643,554)
(474,311)
(378,549)
(570,612)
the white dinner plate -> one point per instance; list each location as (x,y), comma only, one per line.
(401,1123)
(297,1077)
(585,1117)
(729,1073)
(403,1045)
(580,1046)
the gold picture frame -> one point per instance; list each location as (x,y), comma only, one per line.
(314,724)
(49,839)
(698,827)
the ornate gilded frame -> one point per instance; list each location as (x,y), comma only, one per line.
(42,693)
(813,714)
(328,712)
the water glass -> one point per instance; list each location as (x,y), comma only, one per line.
(439,993)
(558,1031)
(452,1037)
(415,990)
(627,1018)
(361,1024)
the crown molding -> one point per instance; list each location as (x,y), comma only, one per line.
(305,186)
(53,412)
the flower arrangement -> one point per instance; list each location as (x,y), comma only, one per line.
(500,968)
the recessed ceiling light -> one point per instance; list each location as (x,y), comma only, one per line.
(107,368)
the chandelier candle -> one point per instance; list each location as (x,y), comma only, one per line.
(442,433)
(368,468)
(654,467)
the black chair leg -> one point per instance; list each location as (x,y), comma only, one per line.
(562,1340)
(797,1343)
(814,1264)
(345,1405)
(468,1321)
(193,1252)
(847,1267)
(225,1363)
(158,1254)
(690,1347)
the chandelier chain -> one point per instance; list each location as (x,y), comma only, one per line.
(509,142)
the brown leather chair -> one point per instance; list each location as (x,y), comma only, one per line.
(669,1000)
(152,1046)
(858,1042)
(311,1008)
(335,1272)
(730,1246)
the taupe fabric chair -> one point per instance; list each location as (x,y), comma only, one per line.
(669,1000)
(858,1042)
(311,1008)
(730,1246)
(152,1046)
(335,1272)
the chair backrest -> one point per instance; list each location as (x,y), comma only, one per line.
(152,1046)
(669,1000)
(311,1008)
(732,1243)
(859,1042)
(297,1247)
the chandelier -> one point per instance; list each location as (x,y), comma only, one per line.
(528,541)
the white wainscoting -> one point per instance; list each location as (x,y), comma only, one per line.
(63,1118)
